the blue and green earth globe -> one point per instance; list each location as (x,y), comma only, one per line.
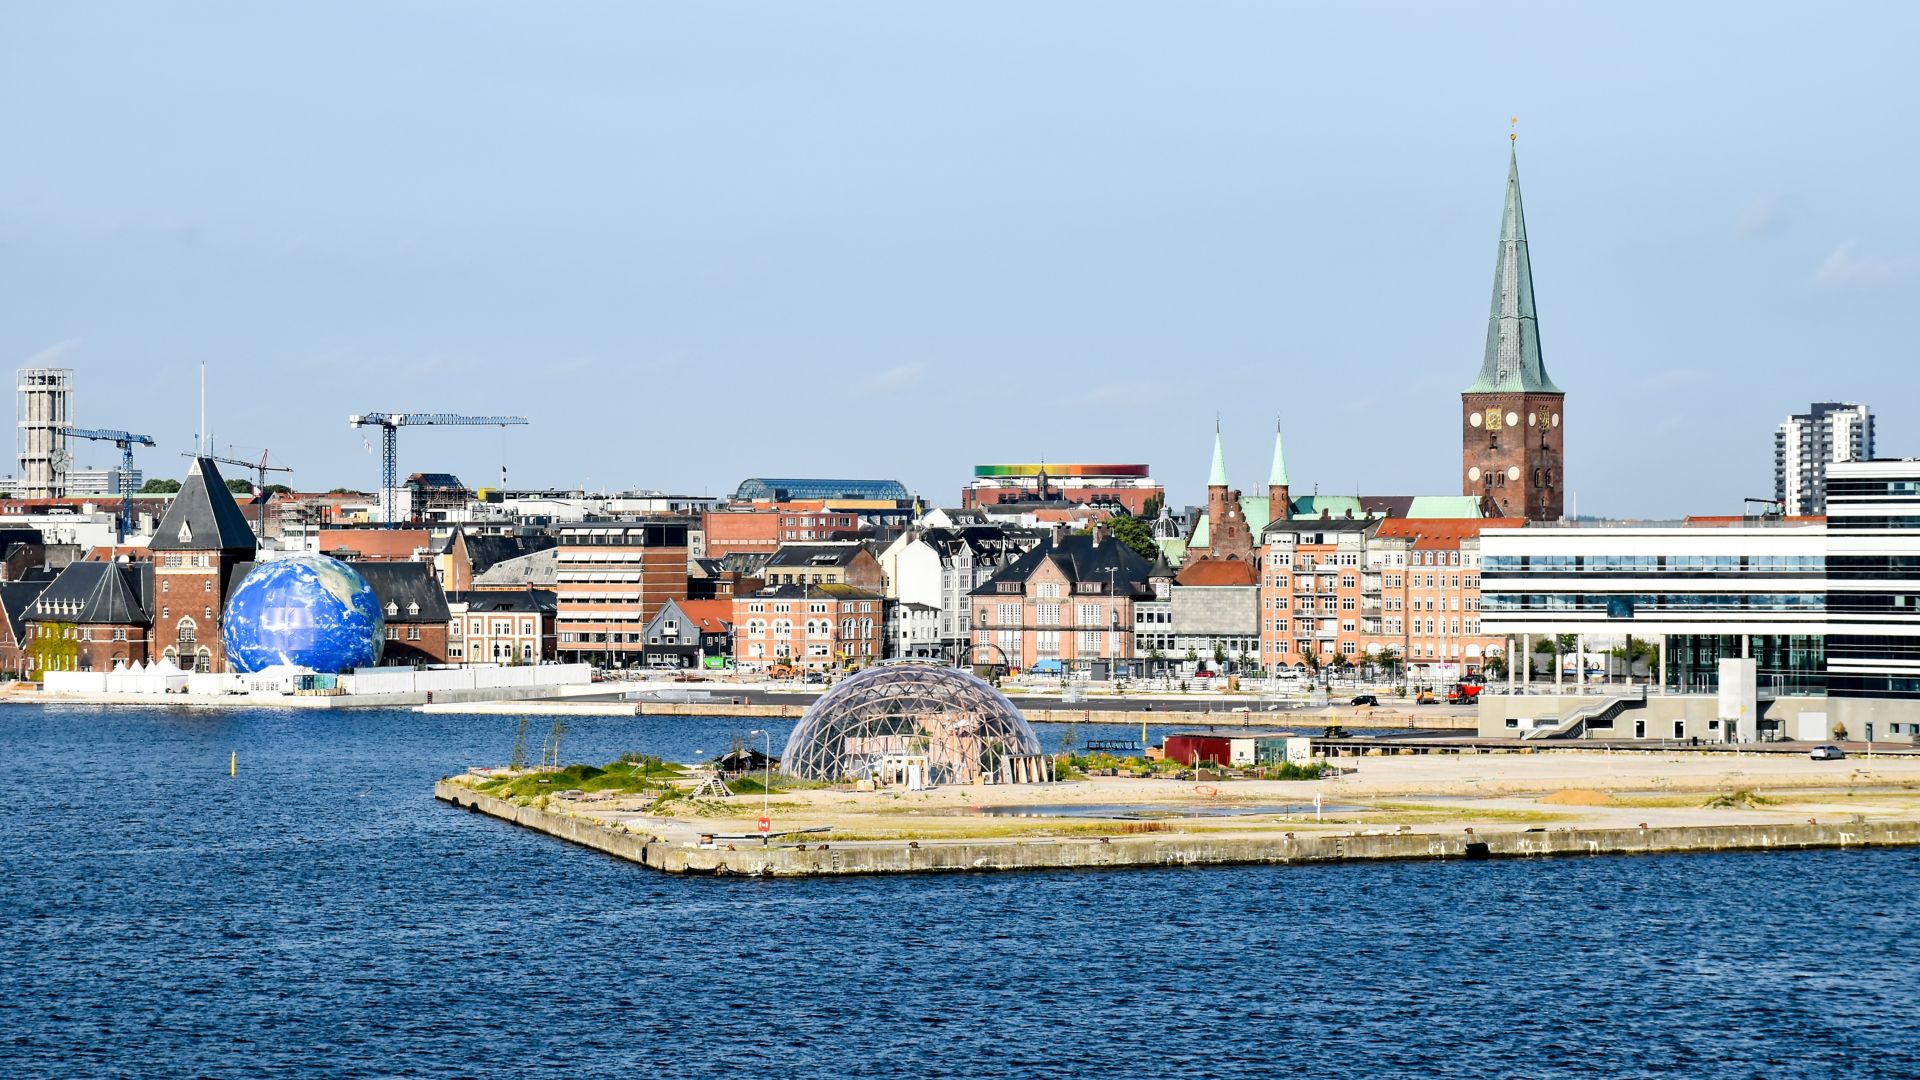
(307,611)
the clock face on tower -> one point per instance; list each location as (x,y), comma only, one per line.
(1493,420)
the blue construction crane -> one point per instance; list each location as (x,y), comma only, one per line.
(126,441)
(390,425)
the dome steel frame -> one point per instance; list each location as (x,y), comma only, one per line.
(966,729)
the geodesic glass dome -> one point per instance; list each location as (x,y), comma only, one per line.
(961,725)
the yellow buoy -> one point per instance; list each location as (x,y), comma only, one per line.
(233,765)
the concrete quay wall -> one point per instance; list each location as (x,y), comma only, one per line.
(1162,850)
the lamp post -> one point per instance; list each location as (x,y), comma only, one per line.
(766,782)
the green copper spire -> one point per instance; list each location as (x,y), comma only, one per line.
(1278,477)
(1513,335)
(1218,477)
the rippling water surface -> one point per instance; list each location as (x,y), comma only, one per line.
(321,914)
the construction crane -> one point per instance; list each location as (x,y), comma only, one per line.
(390,425)
(126,441)
(260,470)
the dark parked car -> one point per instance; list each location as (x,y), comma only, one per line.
(1365,699)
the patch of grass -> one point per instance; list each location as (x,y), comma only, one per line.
(754,785)
(1736,799)
(634,776)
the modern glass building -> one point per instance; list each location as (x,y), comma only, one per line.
(763,489)
(1825,608)
(1700,593)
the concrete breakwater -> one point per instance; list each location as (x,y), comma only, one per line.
(1166,849)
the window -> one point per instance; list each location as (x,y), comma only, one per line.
(413,633)
(188,631)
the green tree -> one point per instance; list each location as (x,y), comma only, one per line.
(1151,508)
(1136,534)
(1219,654)
(279,489)
(241,487)
(160,487)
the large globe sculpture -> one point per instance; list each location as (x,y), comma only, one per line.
(308,611)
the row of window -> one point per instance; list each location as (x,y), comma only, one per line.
(1705,564)
(1620,606)
(781,607)
(814,627)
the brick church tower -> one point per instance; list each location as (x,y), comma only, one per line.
(198,546)
(1228,536)
(1511,419)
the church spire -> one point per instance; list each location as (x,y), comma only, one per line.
(1513,361)
(1218,477)
(1278,477)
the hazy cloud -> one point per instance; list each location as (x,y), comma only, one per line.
(1850,269)
(56,355)
(1760,216)
(894,379)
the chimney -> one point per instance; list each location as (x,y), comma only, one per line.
(1059,536)
(1100,533)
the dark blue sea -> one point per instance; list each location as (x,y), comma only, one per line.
(321,915)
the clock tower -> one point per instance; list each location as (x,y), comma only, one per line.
(1512,419)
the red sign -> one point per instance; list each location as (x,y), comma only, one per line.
(766,824)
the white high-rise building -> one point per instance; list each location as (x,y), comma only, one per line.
(1806,443)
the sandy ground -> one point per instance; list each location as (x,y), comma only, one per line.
(1426,793)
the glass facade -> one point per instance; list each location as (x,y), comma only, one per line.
(1788,665)
(784,490)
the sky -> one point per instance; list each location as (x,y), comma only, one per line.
(694,243)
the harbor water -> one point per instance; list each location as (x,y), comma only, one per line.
(318,913)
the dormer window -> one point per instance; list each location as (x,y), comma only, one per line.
(413,607)
(392,608)
(186,533)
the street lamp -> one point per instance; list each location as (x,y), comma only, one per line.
(766,782)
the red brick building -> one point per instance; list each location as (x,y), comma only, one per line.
(93,616)
(813,627)
(614,577)
(199,548)
(416,612)
(762,527)
(1511,435)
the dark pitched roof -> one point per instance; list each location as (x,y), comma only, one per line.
(13,538)
(98,592)
(484,600)
(1080,559)
(487,552)
(803,556)
(15,596)
(408,591)
(203,516)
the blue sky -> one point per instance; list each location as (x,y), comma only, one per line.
(699,242)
